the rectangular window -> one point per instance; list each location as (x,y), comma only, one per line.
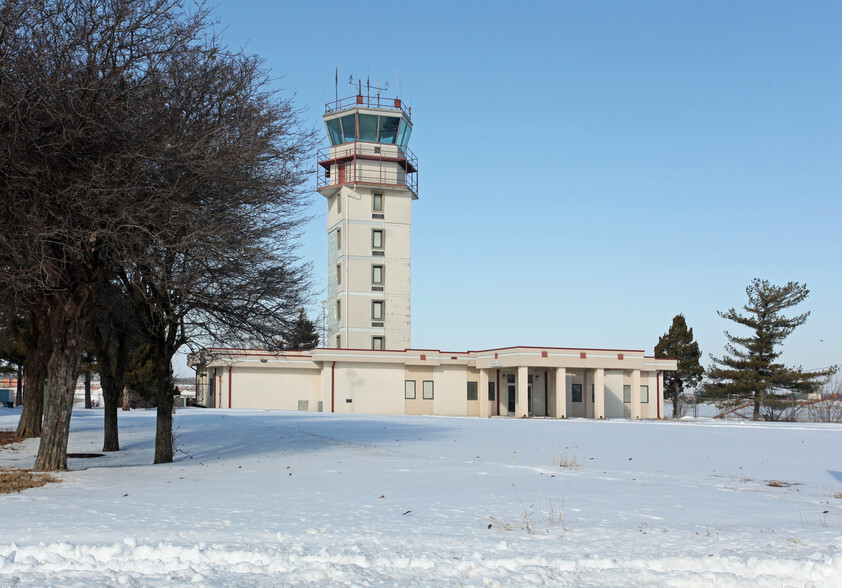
(626,393)
(368,127)
(577,393)
(592,393)
(339,204)
(378,343)
(644,394)
(377,203)
(491,391)
(339,238)
(349,128)
(377,274)
(377,238)
(338,310)
(473,391)
(377,310)
(409,389)
(338,274)
(428,390)
(339,342)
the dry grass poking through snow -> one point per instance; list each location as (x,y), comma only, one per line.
(16,480)
(565,462)
(9,438)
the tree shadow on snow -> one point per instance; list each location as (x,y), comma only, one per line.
(835,474)
(237,435)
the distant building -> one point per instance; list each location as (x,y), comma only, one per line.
(369,177)
(515,381)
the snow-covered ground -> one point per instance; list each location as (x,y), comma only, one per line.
(285,498)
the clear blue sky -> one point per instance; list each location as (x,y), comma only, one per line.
(589,169)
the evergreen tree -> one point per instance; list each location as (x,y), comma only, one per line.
(678,344)
(301,335)
(749,369)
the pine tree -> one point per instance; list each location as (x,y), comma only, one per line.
(749,369)
(678,344)
(302,334)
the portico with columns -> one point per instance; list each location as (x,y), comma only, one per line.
(568,383)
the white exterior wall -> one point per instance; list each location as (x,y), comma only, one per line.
(372,382)
(451,393)
(371,389)
(255,387)
(352,284)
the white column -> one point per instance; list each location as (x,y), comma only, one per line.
(635,394)
(599,393)
(587,383)
(659,392)
(482,394)
(560,394)
(522,392)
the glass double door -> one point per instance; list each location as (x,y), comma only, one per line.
(512,389)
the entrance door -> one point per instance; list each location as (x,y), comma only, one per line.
(341,173)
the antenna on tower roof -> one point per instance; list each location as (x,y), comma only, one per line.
(336,84)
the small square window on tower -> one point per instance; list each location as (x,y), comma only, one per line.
(338,203)
(339,238)
(377,275)
(338,310)
(377,310)
(377,203)
(378,238)
(338,274)
(378,343)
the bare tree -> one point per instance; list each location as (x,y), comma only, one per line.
(32,333)
(131,142)
(221,264)
(828,409)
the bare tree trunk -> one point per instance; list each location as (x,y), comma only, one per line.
(111,390)
(110,345)
(757,402)
(67,327)
(127,405)
(19,391)
(163,430)
(164,398)
(35,368)
(88,403)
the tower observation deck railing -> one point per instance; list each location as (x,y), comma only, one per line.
(367,163)
(369,102)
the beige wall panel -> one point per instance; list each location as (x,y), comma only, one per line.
(614,405)
(451,384)
(273,389)
(371,389)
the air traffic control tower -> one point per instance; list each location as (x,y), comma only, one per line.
(370,178)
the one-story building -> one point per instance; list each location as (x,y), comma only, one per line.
(514,381)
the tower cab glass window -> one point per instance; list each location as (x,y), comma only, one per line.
(372,128)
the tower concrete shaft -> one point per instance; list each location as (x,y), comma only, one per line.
(369,178)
